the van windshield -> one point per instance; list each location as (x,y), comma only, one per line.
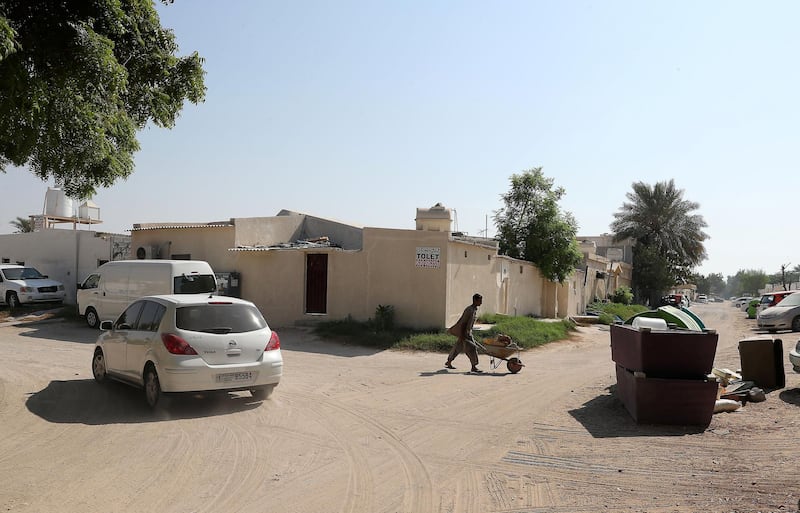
(195,284)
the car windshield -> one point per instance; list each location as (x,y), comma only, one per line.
(220,318)
(195,284)
(22,273)
(790,300)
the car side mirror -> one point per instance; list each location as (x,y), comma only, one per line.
(106,325)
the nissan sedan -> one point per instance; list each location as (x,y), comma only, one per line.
(189,343)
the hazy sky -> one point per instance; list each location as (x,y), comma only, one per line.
(364,111)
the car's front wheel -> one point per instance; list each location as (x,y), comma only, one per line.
(152,387)
(99,366)
(12,300)
(262,393)
(91,318)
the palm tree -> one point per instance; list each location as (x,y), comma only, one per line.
(665,228)
(22,225)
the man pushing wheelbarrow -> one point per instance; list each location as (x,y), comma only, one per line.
(463,330)
(501,347)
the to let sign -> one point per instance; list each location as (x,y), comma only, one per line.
(428,257)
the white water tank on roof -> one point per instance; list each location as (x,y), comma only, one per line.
(57,204)
(89,210)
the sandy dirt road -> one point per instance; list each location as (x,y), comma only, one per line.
(357,431)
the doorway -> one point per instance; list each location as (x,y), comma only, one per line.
(317,283)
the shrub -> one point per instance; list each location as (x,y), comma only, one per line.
(384,318)
(624,312)
(623,295)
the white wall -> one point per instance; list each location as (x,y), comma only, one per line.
(64,255)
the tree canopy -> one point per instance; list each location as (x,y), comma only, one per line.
(532,226)
(78,79)
(22,225)
(667,233)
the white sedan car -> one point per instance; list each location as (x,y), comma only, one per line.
(189,343)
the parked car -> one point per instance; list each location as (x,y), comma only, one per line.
(772,299)
(783,316)
(676,300)
(21,285)
(189,343)
(794,357)
(702,298)
(741,301)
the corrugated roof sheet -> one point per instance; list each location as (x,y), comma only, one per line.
(322,242)
(161,226)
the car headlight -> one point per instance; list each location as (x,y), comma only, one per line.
(60,287)
(26,289)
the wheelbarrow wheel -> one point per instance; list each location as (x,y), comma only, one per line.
(514,365)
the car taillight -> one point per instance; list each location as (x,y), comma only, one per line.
(176,345)
(274,342)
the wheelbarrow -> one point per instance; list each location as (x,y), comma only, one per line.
(501,348)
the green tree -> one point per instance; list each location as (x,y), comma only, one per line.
(716,283)
(78,79)
(651,274)
(532,226)
(664,224)
(22,225)
(750,281)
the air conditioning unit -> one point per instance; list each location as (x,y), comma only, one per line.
(147,252)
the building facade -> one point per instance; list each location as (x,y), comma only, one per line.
(301,269)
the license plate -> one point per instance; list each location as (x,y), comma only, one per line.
(234,377)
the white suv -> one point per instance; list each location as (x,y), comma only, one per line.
(21,285)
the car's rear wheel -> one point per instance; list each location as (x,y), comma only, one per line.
(152,387)
(99,366)
(12,300)
(262,393)
(796,323)
(91,318)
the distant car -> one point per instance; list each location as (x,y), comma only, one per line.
(676,300)
(21,285)
(772,299)
(702,298)
(783,316)
(189,343)
(741,301)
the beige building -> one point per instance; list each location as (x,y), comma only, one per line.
(300,268)
(607,266)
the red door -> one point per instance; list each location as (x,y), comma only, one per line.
(317,283)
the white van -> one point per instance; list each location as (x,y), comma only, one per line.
(105,293)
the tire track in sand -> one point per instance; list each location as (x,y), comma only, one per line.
(418,494)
